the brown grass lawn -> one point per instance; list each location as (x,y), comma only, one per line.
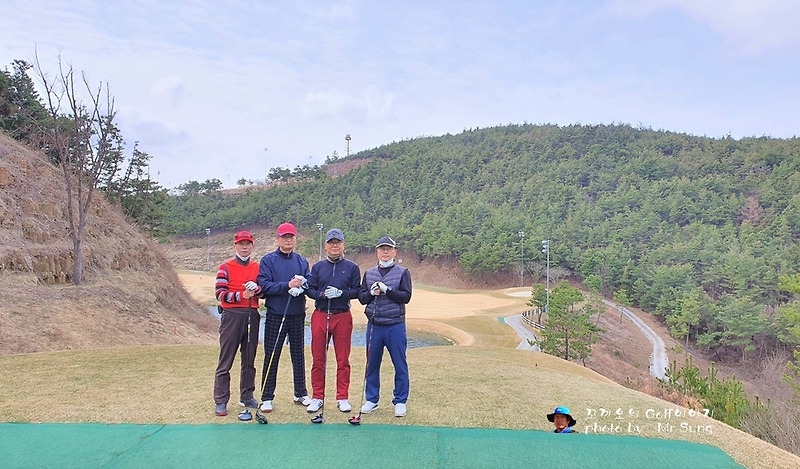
(482,382)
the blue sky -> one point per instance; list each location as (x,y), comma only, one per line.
(206,86)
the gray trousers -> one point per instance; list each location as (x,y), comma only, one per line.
(232,338)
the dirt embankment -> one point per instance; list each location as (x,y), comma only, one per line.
(130,294)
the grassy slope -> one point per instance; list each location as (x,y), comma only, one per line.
(451,386)
(488,384)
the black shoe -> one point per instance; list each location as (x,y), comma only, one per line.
(251,403)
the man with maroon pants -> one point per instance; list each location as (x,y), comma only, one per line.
(334,281)
(237,293)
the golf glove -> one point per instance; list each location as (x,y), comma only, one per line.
(384,288)
(374,287)
(296,291)
(303,279)
(332,292)
(251,285)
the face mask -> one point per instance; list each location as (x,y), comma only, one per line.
(388,263)
(243,259)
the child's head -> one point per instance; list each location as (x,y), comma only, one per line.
(561,418)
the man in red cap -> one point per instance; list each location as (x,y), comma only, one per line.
(237,292)
(282,277)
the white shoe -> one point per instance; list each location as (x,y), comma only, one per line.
(314,406)
(368,407)
(266,406)
(344,406)
(305,400)
(400,410)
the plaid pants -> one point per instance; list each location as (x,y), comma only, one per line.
(275,336)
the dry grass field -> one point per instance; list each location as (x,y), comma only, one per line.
(481,382)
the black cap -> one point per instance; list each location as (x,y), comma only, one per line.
(386,241)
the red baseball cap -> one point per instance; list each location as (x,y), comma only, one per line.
(242,236)
(286,228)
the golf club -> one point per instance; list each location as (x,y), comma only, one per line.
(245,415)
(368,339)
(260,418)
(321,417)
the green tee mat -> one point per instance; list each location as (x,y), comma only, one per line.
(332,445)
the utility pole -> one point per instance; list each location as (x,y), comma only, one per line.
(521,258)
(265,165)
(208,248)
(319,227)
(546,250)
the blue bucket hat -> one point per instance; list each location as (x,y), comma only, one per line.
(561,410)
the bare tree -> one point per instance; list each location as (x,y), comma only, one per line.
(81,140)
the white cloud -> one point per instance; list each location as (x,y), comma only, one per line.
(205,86)
(369,104)
(171,88)
(749,26)
(153,132)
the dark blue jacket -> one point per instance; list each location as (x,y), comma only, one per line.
(274,272)
(343,274)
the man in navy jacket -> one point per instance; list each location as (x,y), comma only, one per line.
(282,276)
(333,283)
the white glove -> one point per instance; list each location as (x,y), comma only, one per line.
(332,292)
(251,285)
(296,291)
(374,287)
(303,279)
(384,288)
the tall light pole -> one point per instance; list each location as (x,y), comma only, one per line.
(546,250)
(347,138)
(521,258)
(319,227)
(208,248)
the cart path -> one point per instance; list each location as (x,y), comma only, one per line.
(523,332)
(658,359)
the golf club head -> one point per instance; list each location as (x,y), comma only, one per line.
(318,419)
(261,418)
(245,415)
(355,420)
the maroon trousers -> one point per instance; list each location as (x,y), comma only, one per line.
(232,338)
(340,328)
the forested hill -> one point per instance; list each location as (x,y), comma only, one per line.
(693,228)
